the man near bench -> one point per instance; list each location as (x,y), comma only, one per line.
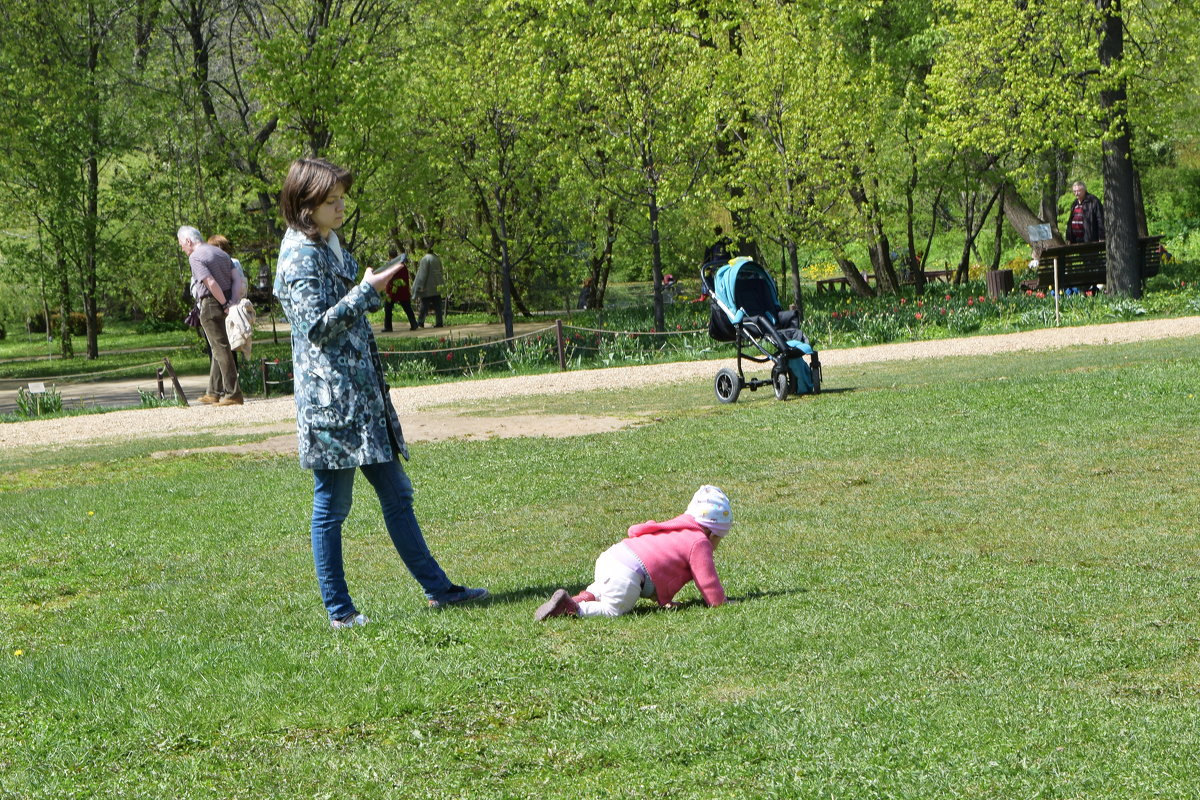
(1086,222)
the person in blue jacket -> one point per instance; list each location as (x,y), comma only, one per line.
(345,420)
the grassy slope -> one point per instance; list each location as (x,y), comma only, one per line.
(967,578)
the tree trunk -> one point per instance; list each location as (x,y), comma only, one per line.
(1139,204)
(1054,185)
(999,246)
(506,286)
(1120,220)
(797,293)
(65,347)
(923,257)
(783,270)
(519,302)
(857,282)
(877,241)
(660,319)
(91,222)
(971,231)
(601,265)
(1020,217)
(912,261)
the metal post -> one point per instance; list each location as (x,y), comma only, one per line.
(562,349)
(162,394)
(263,365)
(1056,317)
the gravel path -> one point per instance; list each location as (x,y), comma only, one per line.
(277,415)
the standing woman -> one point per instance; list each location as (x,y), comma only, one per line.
(344,416)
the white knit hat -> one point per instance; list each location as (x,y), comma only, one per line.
(710,507)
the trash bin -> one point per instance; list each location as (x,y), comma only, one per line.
(999,282)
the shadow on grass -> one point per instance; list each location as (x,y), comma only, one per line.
(528,593)
(544,592)
(696,602)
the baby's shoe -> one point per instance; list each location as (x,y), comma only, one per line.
(560,604)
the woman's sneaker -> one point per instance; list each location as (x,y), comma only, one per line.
(349,622)
(455,595)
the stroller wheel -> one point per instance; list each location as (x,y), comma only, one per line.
(783,381)
(816,378)
(728,385)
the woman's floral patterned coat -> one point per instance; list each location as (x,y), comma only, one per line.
(344,416)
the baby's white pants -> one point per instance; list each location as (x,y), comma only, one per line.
(617,585)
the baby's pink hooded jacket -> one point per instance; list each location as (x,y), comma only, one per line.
(675,552)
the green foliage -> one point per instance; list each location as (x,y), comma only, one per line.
(527,354)
(546,142)
(76,322)
(841,321)
(410,370)
(37,404)
(152,400)
(278,374)
(152,325)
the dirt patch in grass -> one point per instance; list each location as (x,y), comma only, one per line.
(433,427)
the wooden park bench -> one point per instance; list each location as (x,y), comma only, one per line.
(832,284)
(1084,265)
(835,284)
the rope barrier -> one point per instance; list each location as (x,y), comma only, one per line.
(635,333)
(476,345)
(107,371)
(538,332)
(574,344)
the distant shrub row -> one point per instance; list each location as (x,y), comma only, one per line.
(36,323)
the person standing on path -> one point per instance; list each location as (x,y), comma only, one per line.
(427,287)
(398,292)
(344,415)
(212,277)
(236,294)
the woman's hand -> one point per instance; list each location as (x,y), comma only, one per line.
(379,280)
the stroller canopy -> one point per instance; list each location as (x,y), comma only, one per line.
(744,284)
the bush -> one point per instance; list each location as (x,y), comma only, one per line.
(964,321)
(152,400)
(152,325)
(409,371)
(76,321)
(34,405)
(36,322)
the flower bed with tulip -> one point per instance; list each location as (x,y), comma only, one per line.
(942,312)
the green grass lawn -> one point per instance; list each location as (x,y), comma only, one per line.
(967,578)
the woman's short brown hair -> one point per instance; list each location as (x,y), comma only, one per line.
(309,181)
(217,240)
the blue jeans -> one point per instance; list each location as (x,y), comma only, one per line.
(333,491)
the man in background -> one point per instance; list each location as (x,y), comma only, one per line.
(427,287)
(1086,220)
(212,277)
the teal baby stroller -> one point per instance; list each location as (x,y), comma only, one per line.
(745,310)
